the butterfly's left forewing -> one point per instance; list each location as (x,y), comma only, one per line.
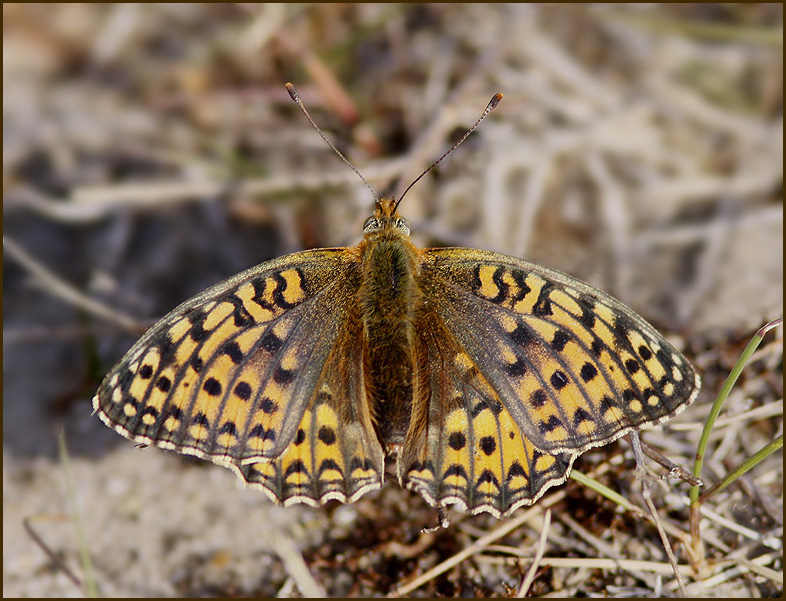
(232,375)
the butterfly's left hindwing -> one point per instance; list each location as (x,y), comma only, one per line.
(335,454)
(230,375)
(574,367)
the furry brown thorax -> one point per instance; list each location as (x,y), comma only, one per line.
(389,299)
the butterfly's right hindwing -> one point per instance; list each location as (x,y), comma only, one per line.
(473,455)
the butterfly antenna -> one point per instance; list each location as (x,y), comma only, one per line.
(296,97)
(493,103)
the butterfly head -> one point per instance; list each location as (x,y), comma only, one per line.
(386,220)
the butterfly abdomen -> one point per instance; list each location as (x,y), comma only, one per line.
(388,299)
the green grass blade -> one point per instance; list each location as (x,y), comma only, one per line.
(721,398)
(605,491)
(745,466)
(91,589)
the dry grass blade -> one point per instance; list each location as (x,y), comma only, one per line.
(294,563)
(738,567)
(59,288)
(509,526)
(666,545)
(582,563)
(605,549)
(53,557)
(541,548)
(647,495)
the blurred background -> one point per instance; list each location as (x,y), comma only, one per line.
(150,151)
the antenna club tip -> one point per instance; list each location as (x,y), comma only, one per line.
(292,91)
(495,100)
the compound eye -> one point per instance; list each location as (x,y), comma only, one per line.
(402,224)
(371,224)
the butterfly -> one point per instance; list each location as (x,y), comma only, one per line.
(471,377)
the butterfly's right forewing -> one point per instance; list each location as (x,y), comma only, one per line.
(574,367)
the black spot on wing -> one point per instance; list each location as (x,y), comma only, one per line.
(457,440)
(645,353)
(283,376)
(559,380)
(228,428)
(516,470)
(663,357)
(488,445)
(200,419)
(522,335)
(271,342)
(150,411)
(212,387)
(259,431)
(456,470)
(523,289)
(296,467)
(197,332)
(632,366)
(300,437)
(267,405)
(259,285)
(476,284)
(242,317)
(164,384)
(166,349)
(487,476)
(173,411)
(538,398)
(127,378)
(517,369)
(580,416)
(629,395)
(232,349)
(588,372)
(327,435)
(587,316)
(243,390)
(329,464)
(551,424)
(559,341)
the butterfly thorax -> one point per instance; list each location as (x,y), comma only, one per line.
(388,301)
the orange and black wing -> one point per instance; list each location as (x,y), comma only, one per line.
(465,447)
(241,372)
(573,367)
(335,453)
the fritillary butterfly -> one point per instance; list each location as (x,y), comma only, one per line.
(471,377)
